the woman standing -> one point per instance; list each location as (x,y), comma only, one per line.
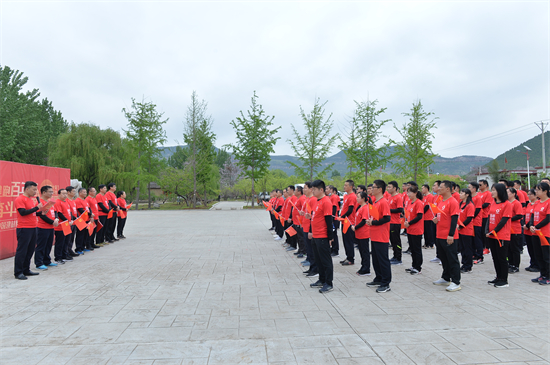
(532,200)
(121,199)
(466,230)
(498,233)
(514,254)
(415,228)
(539,221)
(362,232)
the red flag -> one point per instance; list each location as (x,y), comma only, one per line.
(85,215)
(373,212)
(80,223)
(129,206)
(282,220)
(543,240)
(99,225)
(66,228)
(291,231)
(439,199)
(339,219)
(110,215)
(123,214)
(493,233)
(91,227)
(505,159)
(402,223)
(436,210)
(407,215)
(347,223)
(461,223)
(308,208)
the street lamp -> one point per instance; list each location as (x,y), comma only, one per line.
(528,171)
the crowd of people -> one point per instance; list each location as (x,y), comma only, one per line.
(77,222)
(473,222)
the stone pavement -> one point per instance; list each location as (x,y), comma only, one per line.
(213,287)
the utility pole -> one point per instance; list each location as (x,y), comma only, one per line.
(541,126)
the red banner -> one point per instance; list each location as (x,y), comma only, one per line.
(12,180)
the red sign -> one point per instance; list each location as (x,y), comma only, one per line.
(12,181)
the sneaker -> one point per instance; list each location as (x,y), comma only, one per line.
(316,284)
(415,272)
(532,269)
(312,275)
(435,259)
(305,272)
(80,252)
(486,251)
(60,262)
(544,281)
(334,254)
(305,263)
(408,252)
(361,273)
(52,264)
(291,248)
(537,280)
(300,255)
(441,282)
(478,261)
(493,282)
(409,269)
(297,253)
(326,288)
(42,267)
(347,263)
(374,283)
(271,229)
(513,270)
(278,238)
(383,289)
(396,262)
(501,284)
(343,261)
(453,287)
(68,258)
(465,271)
(87,250)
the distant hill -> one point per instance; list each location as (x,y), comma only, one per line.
(519,160)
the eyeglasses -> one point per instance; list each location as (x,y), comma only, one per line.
(375,187)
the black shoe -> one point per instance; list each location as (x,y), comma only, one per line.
(347,263)
(68,258)
(306,272)
(73,254)
(532,269)
(21,277)
(30,273)
(109,241)
(325,289)
(334,254)
(383,289)
(374,283)
(312,275)
(121,237)
(300,255)
(116,239)
(95,246)
(271,229)
(343,261)
(493,282)
(465,271)
(316,284)
(60,262)
(513,270)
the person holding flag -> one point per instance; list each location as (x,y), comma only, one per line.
(69,253)
(540,230)
(84,214)
(498,234)
(271,203)
(516,240)
(26,207)
(335,199)
(486,201)
(92,203)
(297,207)
(533,264)
(279,229)
(47,221)
(121,200)
(103,213)
(348,213)
(427,199)
(446,219)
(414,224)
(112,215)
(290,202)
(396,209)
(310,203)
(362,232)
(466,230)
(63,211)
(479,237)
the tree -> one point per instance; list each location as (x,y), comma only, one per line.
(145,133)
(413,155)
(222,156)
(335,173)
(255,141)
(313,148)
(178,158)
(363,134)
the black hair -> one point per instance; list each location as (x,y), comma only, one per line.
(320,184)
(457,185)
(412,183)
(110,185)
(469,193)
(351,183)
(447,184)
(532,192)
(393,183)
(485,182)
(365,196)
(515,192)
(101,186)
(381,184)
(474,184)
(60,190)
(335,189)
(369,186)
(291,187)
(45,188)
(414,189)
(80,189)
(544,187)
(119,193)
(426,186)
(454,184)
(300,189)
(28,184)
(517,182)
(438,182)
(308,184)
(90,188)
(501,192)
(69,188)
(363,187)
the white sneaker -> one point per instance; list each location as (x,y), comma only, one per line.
(278,238)
(435,259)
(453,287)
(441,282)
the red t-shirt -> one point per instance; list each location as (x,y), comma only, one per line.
(449,207)
(101,199)
(296,212)
(50,214)
(29,220)
(72,204)
(319,225)
(478,221)
(82,204)
(406,201)
(285,212)
(335,199)
(312,202)
(496,213)
(540,210)
(486,197)
(381,233)
(64,208)
(523,197)
(92,203)
(350,199)
(457,197)
(396,202)
(428,199)
(528,211)
(414,209)
(361,214)
(111,197)
(516,209)
(386,195)
(466,211)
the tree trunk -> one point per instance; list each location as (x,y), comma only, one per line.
(149,185)
(139,172)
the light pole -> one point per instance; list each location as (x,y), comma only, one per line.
(528,171)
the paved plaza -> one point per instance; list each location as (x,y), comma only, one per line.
(213,287)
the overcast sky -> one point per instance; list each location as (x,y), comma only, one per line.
(482,68)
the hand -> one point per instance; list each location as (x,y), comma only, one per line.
(435,220)
(93,215)
(450,240)
(70,223)
(533,229)
(406,224)
(56,222)
(40,206)
(310,236)
(352,228)
(289,220)
(459,227)
(308,216)
(117,209)
(330,242)
(302,213)
(369,222)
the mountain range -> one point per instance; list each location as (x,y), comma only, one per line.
(518,159)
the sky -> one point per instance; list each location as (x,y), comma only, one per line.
(482,68)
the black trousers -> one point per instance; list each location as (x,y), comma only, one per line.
(381,262)
(485,238)
(395,239)
(310,255)
(364,251)
(449,260)
(533,260)
(69,242)
(478,242)
(60,242)
(415,245)
(44,242)
(26,244)
(120,226)
(100,235)
(542,253)
(81,237)
(291,240)
(349,244)
(272,220)
(428,234)
(466,245)
(300,239)
(500,257)
(279,229)
(514,251)
(335,249)
(321,251)
(110,228)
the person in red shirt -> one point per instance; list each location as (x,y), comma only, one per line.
(310,203)
(47,220)
(26,207)
(447,236)
(272,200)
(335,199)
(456,192)
(516,241)
(540,220)
(287,214)
(362,232)
(486,201)
(427,199)
(111,222)
(296,222)
(81,235)
(121,200)
(415,228)
(92,203)
(528,212)
(522,195)
(279,229)
(396,210)
(479,237)
(321,233)
(348,212)
(380,238)
(103,207)
(498,233)
(466,230)
(63,211)
(71,196)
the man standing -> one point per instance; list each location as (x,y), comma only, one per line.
(478,222)
(278,206)
(436,199)
(103,213)
(396,210)
(44,233)
(63,211)
(82,234)
(447,237)
(335,199)
(348,212)
(486,201)
(69,253)
(92,203)
(287,213)
(321,234)
(273,198)
(428,216)
(26,207)
(297,222)
(310,203)
(111,222)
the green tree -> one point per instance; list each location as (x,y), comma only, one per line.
(364,132)
(222,156)
(145,133)
(313,148)
(255,141)
(179,158)
(335,173)
(413,155)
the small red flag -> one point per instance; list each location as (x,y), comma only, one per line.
(80,223)
(347,223)
(505,159)
(402,223)
(493,233)
(110,215)
(66,227)
(282,220)
(436,210)
(91,227)
(308,208)
(373,212)
(99,225)
(129,206)
(291,231)
(543,240)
